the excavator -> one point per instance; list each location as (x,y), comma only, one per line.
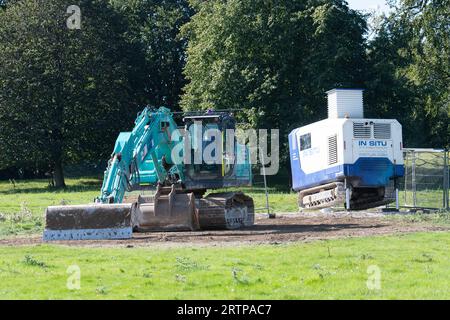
(157,179)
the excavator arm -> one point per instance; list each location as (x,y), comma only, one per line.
(149,144)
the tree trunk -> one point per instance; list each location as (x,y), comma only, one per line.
(58,174)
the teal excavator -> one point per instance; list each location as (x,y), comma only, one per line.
(157,178)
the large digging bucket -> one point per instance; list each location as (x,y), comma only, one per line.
(88,222)
(226,211)
(168,210)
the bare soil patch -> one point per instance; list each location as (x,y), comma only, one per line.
(287,228)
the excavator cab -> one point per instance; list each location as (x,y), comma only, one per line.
(203,131)
(223,171)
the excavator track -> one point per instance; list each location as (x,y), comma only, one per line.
(175,209)
(363,199)
(226,211)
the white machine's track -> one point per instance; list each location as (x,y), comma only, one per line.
(334,195)
(324,196)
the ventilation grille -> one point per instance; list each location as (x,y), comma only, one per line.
(332,150)
(360,130)
(382,131)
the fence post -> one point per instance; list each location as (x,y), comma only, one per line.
(406,177)
(446,181)
(413,179)
(271,215)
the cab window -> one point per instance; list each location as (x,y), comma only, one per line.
(305,142)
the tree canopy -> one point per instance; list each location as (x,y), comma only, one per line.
(159,56)
(273,59)
(410,70)
(66,93)
(429,24)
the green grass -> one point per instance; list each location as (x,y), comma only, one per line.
(413,266)
(431,198)
(441,218)
(22,206)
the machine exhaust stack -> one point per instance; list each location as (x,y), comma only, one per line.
(345,104)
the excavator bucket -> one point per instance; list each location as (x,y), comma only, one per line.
(168,210)
(88,222)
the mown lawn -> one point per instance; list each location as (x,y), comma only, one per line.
(413,266)
(22,205)
(431,198)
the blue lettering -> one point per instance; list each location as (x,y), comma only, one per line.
(373,143)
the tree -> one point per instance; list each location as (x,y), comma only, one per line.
(64,93)
(429,23)
(159,55)
(275,59)
(410,59)
(390,93)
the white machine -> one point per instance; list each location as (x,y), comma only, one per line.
(347,159)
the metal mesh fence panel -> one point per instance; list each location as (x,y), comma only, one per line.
(426,181)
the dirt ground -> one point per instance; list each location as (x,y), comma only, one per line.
(286,228)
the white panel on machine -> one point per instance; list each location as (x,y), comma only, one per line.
(345,103)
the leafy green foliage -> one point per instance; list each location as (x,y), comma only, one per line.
(74,90)
(153,30)
(273,59)
(429,22)
(390,93)
(410,63)
(64,94)
(31,261)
